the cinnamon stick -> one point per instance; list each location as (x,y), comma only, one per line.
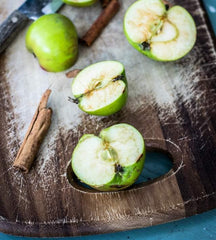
(36,132)
(105,3)
(107,14)
(72,73)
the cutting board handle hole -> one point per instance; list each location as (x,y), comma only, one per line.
(158,163)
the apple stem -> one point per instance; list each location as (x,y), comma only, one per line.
(145,46)
(73,100)
(167,4)
(118,168)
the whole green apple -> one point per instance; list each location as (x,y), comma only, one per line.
(101,88)
(53,40)
(80,3)
(159,32)
(112,161)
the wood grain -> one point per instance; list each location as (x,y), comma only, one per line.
(171,104)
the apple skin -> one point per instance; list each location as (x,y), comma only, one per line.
(114,106)
(131,173)
(53,40)
(111,108)
(148,53)
(80,4)
(136,45)
(119,181)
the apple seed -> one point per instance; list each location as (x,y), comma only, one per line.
(145,46)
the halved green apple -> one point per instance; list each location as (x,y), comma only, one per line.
(112,161)
(80,3)
(163,35)
(101,88)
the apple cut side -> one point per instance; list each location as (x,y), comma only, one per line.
(101,88)
(112,161)
(80,3)
(163,35)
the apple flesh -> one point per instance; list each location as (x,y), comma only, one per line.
(80,3)
(112,161)
(101,88)
(160,34)
(53,40)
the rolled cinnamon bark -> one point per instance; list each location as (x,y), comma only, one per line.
(72,73)
(35,135)
(95,30)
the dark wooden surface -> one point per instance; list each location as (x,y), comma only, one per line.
(48,201)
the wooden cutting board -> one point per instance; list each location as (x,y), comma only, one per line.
(172,104)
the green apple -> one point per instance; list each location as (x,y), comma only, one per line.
(101,88)
(112,161)
(80,3)
(53,40)
(159,33)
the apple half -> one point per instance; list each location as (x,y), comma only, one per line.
(80,3)
(158,32)
(112,161)
(101,88)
